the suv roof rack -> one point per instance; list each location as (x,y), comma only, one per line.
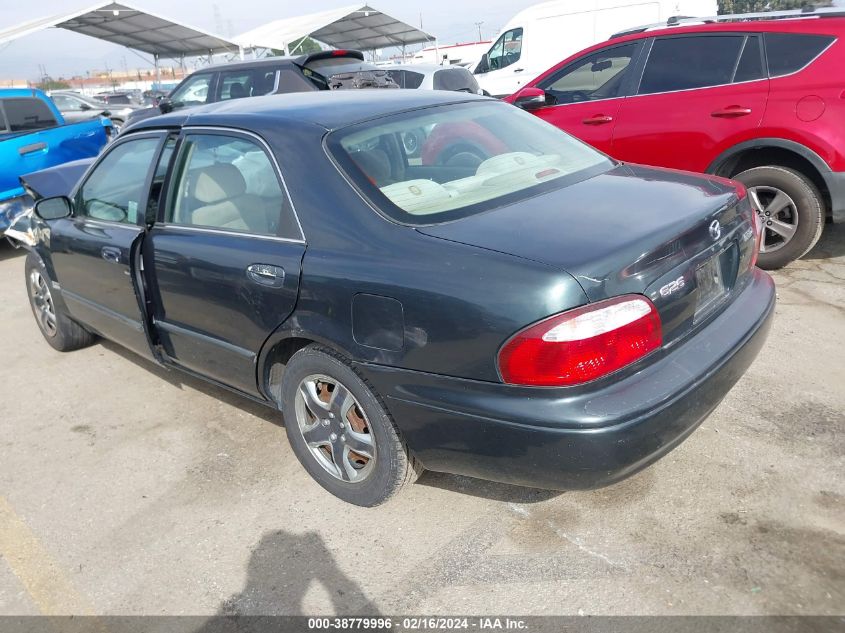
(681,20)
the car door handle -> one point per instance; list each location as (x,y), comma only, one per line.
(599,119)
(731,112)
(31,149)
(518,70)
(111,254)
(266,275)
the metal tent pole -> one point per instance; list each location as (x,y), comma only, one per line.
(158,77)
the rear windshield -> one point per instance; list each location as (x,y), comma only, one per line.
(438,164)
(339,73)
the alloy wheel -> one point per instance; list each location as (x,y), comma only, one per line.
(335,428)
(778,215)
(42,301)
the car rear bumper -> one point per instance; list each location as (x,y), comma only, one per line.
(577,437)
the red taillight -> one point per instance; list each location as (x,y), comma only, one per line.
(582,344)
(340,53)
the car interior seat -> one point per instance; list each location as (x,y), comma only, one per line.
(237,91)
(220,200)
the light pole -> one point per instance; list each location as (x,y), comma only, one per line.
(478,26)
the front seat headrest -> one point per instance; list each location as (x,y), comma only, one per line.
(217,182)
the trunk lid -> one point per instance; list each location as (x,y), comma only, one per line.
(635,230)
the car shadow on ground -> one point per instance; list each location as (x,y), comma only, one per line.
(492,490)
(7,251)
(453,483)
(831,244)
(281,570)
(181,380)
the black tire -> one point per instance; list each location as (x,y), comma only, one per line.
(393,466)
(809,219)
(62,333)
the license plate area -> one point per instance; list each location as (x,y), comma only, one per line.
(713,284)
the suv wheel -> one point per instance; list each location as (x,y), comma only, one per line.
(791,210)
(340,431)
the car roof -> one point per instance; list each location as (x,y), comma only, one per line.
(327,109)
(831,25)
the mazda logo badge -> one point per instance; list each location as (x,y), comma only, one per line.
(715,229)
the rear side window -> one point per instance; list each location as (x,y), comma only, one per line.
(25,115)
(228,182)
(790,52)
(682,63)
(406,78)
(750,66)
(455,79)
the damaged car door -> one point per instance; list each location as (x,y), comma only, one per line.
(95,252)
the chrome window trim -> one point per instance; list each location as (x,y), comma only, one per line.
(229,130)
(217,231)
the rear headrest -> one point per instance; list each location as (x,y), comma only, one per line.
(216,182)
(374,163)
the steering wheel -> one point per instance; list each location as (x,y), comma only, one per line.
(578,96)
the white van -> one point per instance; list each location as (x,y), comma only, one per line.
(547,33)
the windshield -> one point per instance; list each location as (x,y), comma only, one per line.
(437,164)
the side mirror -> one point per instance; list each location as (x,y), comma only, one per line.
(530,98)
(53,208)
(483,65)
(165,105)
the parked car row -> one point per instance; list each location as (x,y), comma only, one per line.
(756,99)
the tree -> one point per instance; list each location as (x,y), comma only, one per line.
(758,6)
(302,46)
(48,83)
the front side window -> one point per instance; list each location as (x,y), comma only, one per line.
(682,63)
(598,76)
(193,92)
(115,189)
(506,50)
(475,156)
(227,182)
(25,114)
(790,52)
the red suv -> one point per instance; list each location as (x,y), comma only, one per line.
(759,98)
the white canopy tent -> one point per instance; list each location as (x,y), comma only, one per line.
(358,26)
(120,23)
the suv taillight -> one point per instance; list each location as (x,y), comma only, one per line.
(583,344)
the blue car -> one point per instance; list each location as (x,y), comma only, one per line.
(33,137)
(546,317)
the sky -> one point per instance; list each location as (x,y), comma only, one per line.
(63,53)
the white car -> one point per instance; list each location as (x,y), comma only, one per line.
(434,77)
(544,34)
